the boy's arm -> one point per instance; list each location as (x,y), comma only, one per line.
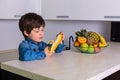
(60,48)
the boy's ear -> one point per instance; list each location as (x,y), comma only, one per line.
(25,33)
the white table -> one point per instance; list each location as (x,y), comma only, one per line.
(70,65)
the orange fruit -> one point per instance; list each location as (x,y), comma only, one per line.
(82,40)
(95,44)
(76,44)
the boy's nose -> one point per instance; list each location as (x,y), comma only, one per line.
(40,34)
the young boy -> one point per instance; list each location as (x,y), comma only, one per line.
(33,48)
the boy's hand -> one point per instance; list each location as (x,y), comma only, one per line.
(47,52)
(63,36)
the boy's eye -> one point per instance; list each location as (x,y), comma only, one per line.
(36,31)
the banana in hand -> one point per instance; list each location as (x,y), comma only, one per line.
(56,43)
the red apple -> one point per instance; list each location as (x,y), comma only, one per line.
(97,49)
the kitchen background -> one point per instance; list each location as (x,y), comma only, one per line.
(11,36)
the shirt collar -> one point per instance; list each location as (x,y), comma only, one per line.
(30,40)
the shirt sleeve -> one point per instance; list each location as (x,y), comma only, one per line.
(28,54)
(60,48)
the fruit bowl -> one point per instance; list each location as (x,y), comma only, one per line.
(89,42)
(90,49)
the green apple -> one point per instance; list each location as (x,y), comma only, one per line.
(90,49)
(84,47)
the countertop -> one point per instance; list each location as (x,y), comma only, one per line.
(8,55)
(69,65)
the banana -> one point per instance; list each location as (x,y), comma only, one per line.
(56,43)
(50,42)
(101,45)
(103,42)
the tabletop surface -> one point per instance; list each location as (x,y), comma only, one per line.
(70,65)
(8,55)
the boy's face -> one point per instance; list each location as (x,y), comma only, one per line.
(37,34)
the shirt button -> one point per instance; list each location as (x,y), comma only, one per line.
(34,50)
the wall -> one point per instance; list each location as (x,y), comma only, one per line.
(69,28)
(11,36)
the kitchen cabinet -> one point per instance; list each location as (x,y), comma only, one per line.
(56,9)
(87,10)
(73,9)
(5,75)
(114,76)
(13,9)
(8,55)
(112,11)
(105,10)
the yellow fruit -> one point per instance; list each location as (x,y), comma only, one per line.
(101,45)
(92,37)
(56,43)
(102,40)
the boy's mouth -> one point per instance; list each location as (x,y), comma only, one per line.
(40,37)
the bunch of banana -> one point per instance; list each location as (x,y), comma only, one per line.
(56,42)
(103,42)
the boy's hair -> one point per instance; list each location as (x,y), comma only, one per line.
(30,21)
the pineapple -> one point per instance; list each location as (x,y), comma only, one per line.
(81,33)
(92,37)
